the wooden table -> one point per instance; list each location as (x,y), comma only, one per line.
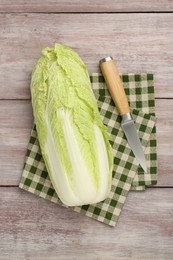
(139,35)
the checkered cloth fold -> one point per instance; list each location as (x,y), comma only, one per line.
(127,174)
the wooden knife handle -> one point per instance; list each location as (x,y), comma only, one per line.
(114,85)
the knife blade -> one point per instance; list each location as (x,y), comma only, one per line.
(116,89)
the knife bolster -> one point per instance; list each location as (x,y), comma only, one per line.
(126,117)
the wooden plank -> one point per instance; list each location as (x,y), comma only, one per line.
(33,228)
(16,122)
(138,42)
(85,6)
(164,114)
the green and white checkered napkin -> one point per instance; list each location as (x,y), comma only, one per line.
(127,174)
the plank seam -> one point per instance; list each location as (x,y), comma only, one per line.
(110,12)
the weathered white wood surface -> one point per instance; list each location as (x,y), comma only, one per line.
(85,6)
(33,228)
(139,43)
(16,122)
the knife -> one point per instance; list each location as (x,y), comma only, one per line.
(119,97)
